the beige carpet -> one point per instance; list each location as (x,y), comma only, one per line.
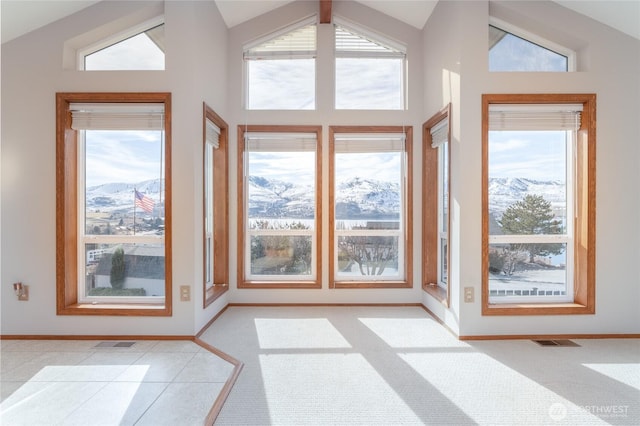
(397,366)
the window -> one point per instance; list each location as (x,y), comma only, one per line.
(280,69)
(113,203)
(139,48)
(216,214)
(370,206)
(435,227)
(513,49)
(279,179)
(538,204)
(370,69)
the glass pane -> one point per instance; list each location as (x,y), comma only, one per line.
(368,190)
(527,269)
(281,255)
(140,52)
(527,182)
(281,190)
(512,53)
(444,202)
(369,83)
(124,193)
(443,261)
(368,255)
(282,84)
(124,270)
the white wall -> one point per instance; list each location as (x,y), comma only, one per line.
(325,115)
(609,67)
(32,72)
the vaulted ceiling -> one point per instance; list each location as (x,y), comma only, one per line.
(20,17)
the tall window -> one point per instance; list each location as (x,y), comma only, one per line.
(113,241)
(279,185)
(216,222)
(370,69)
(513,49)
(370,206)
(139,48)
(280,69)
(538,200)
(435,230)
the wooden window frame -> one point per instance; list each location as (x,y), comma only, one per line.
(315,283)
(408,240)
(431,207)
(67,176)
(584,262)
(220,187)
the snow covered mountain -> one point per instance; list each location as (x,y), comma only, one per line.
(119,196)
(505,191)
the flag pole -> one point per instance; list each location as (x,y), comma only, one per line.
(134,210)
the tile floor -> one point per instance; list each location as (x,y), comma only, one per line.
(78,382)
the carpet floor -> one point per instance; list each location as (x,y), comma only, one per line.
(397,366)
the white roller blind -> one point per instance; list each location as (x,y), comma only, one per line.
(295,42)
(212,134)
(117,116)
(352,41)
(373,142)
(440,133)
(280,142)
(534,116)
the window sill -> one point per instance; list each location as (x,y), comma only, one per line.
(437,293)
(370,284)
(280,284)
(537,309)
(116,309)
(213,292)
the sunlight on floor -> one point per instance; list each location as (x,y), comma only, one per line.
(412,333)
(300,333)
(629,373)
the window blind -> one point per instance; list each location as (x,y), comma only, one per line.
(280,142)
(212,134)
(534,116)
(351,41)
(117,116)
(374,142)
(440,133)
(294,42)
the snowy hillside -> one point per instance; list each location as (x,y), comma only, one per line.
(118,196)
(506,191)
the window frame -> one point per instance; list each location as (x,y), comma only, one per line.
(432,207)
(68,197)
(218,211)
(536,40)
(583,263)
(407,282)
(114,39)
(243,281)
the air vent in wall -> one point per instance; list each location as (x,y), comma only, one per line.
(115,344)
(556,343)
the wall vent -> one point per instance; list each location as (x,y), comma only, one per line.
(556,343)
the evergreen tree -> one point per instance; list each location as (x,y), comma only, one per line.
(532,216)
(116,278)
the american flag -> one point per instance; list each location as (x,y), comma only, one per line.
(144,202)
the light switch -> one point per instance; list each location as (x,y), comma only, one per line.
(185,293)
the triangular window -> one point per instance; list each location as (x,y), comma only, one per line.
(140,48)
(512,49)
(370,69)
(280,68)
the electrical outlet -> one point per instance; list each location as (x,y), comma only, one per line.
(185,293)
(468,295)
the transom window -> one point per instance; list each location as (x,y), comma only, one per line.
(280,69)
(539,164)
(139,48)
(513,49)
(279,240)
(370,206)
(369,71)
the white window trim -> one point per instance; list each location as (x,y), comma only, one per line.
(566,238)
(536,39)
(443,235)
(81,53)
